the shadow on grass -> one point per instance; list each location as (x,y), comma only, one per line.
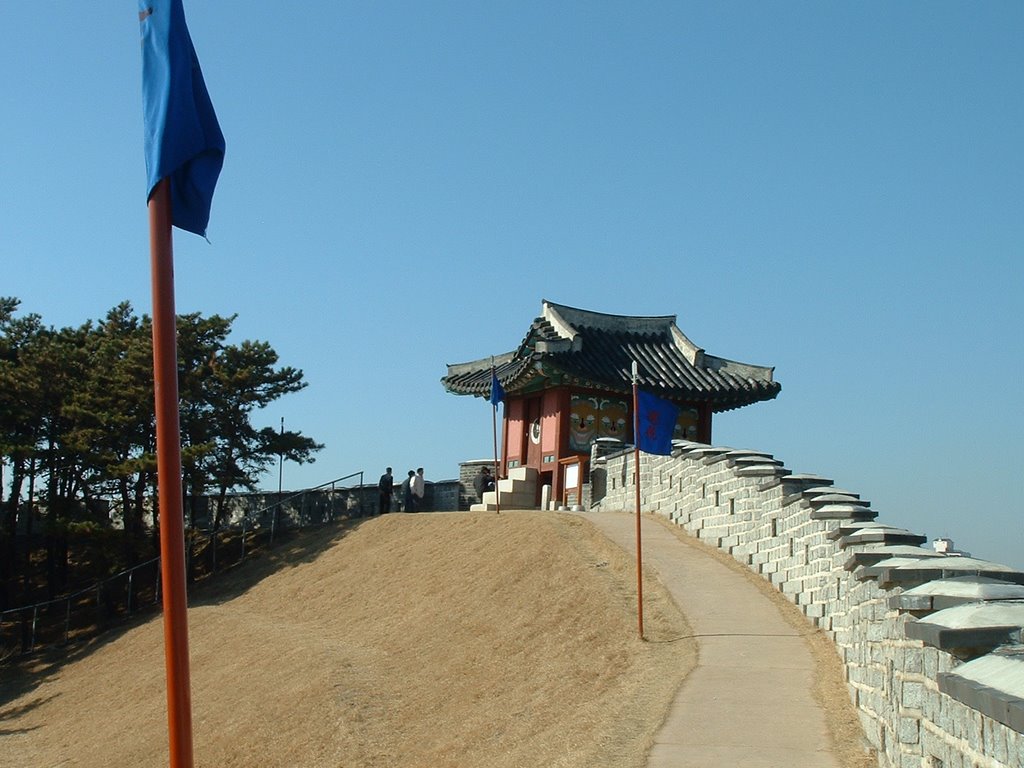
(12,713)
(22,674)
(291,550)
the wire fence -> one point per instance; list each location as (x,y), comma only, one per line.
(252,526)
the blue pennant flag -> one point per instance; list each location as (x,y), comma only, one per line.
(497,393)
(182,137)
(657,423)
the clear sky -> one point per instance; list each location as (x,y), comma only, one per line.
(834,189)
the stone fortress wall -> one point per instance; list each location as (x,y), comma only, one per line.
(930,641)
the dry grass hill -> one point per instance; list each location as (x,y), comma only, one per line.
(407,640)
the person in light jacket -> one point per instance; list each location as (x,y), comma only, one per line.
(417,487)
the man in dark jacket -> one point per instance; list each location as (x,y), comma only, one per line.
(483,483)
(407,492)
(385,488)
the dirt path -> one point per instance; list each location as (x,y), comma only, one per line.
(830,689)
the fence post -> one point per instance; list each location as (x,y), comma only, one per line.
(244,520)
(26,631)
(67,621)
(35,618)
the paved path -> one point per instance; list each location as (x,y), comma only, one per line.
(748,702)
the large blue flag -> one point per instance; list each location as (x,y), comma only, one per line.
(657,422)
(183,139)
(497,392)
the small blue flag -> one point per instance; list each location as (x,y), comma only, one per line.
(657,422)
(497,393)
(182,137)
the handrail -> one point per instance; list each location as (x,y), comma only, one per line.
(295,495)
(281,502)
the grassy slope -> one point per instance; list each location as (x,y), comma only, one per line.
(414,640)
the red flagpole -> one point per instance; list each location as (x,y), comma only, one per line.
(168,452)
(636,477)
(494,431)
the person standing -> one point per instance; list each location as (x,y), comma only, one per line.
(385,489)
(407,492)
(418,488)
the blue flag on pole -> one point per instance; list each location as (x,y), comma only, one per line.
(657,422)
(497,393)
(182,137)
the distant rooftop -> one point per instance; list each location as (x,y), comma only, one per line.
(593,350)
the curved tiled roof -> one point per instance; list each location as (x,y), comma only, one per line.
(592,350)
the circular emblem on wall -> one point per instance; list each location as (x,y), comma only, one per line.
(535,431)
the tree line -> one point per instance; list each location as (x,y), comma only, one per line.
(78,438)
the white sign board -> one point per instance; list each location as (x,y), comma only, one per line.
(572,476)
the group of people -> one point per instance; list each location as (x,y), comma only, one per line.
(412,490)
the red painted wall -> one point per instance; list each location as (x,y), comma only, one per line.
(554,438)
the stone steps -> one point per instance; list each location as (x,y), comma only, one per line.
(517,491)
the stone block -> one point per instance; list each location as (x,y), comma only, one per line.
(995,740)
(933,749)
(871,726)
(954,721)
(1015,748)
(912,695)
(913,662)
(908,730)
(931,707)
(816,610)
(1016,722)
(973,730)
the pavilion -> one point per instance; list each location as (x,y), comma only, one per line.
(569,383)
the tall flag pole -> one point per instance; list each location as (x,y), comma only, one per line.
(168,452)
(636,481)
(497,396)
(654,422)
(184,151)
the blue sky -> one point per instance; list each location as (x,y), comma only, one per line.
(831,188)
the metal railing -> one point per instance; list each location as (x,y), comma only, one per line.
(86,612)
